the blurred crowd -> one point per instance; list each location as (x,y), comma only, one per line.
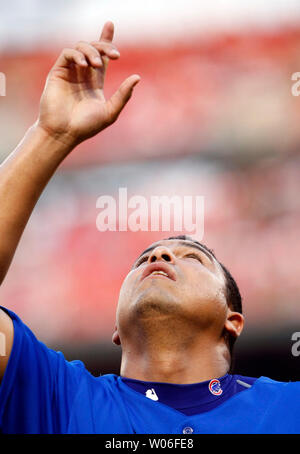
(213,117)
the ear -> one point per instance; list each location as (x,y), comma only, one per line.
(234,323)
(115,337)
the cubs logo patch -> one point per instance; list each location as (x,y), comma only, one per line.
(215,387)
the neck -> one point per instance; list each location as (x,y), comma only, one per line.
(181,363)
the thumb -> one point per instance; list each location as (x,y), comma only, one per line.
(120,98)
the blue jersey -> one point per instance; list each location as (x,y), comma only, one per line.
(41,392)
(194,398)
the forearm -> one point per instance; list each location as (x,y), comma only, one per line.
(73,108)
(23,176)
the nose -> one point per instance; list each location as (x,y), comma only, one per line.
(161,253)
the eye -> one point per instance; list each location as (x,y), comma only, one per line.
(193,256)
(141,260)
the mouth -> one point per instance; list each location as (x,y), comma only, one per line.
(159,270)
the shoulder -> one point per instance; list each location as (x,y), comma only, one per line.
(265,381)
(266,388)
(269,382)
(107,383)
(45,364)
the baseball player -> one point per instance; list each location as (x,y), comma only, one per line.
(179,310)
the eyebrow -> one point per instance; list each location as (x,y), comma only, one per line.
(182,243)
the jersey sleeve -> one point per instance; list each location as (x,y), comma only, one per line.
(38,387)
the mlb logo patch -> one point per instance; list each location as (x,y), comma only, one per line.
(151,394)
(215,387)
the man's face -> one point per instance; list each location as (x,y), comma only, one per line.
(173,279)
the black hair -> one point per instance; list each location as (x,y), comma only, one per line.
(232,293)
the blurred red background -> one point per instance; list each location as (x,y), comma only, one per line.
(212,116)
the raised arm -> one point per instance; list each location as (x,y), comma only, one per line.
(72,109)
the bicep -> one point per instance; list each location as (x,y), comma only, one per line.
(6,340)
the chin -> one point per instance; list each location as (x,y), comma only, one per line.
(154,303)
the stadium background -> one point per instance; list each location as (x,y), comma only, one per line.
(213,115)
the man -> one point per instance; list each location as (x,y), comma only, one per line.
(178,315)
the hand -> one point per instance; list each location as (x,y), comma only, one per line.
(73,107)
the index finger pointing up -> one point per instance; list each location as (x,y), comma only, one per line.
(107,33)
